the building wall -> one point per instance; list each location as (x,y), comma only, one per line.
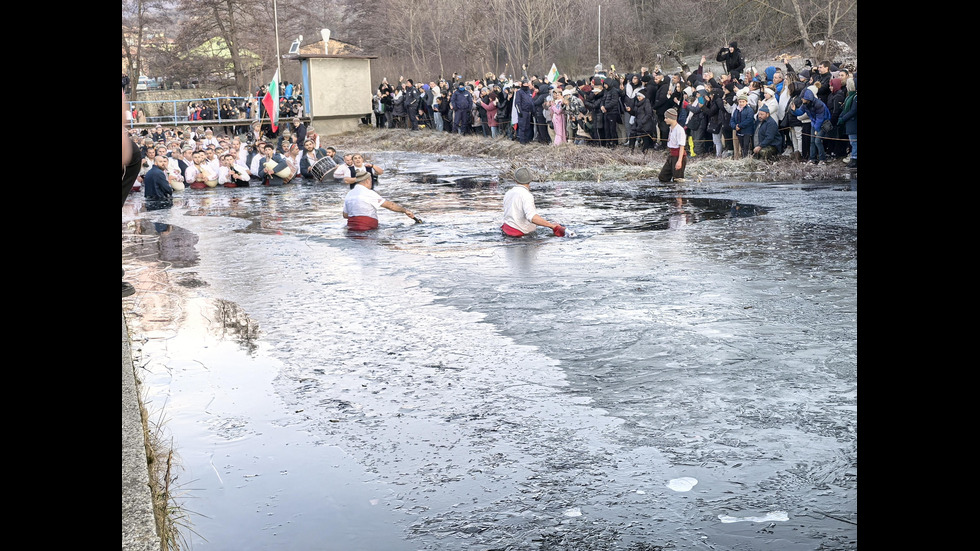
(339,91)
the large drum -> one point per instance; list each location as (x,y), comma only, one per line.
(322,167)
(286,173)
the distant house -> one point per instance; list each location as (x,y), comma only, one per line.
(217,48)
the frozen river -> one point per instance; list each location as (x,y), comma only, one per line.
(681,373)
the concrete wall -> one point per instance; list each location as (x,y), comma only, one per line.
(339,91)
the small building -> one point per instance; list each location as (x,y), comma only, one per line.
(337,86)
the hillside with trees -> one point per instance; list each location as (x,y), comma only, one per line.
(424,39)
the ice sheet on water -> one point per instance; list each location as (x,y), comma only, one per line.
(682,484)
(773,516)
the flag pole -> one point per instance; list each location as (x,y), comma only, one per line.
(599,41)
(275,15)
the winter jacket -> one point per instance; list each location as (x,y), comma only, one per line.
(715,115)
(849,116)
(812,107)
(768,133)
(644,123)
(733,61)
(745,120)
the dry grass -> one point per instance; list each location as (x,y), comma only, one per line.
(172,518)
(571,162)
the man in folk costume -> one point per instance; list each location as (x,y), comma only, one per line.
(311,154)
(199,175)
(275,168)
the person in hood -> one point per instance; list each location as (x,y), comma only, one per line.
(810,105)
(611,95)
(540,122)
(731,58)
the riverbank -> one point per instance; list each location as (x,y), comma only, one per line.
(139,531)
(579,162)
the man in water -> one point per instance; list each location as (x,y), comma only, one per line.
(344,170)
(520,215)
(156,185)
(311,154)
(362,202)
(673,169)
(361,168)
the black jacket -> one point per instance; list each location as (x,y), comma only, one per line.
(734,62)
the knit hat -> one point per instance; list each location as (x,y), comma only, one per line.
(671,114)
(764,108)
(522,175)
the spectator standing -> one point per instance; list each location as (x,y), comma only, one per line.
(743,125)
(848,118)
(732,59)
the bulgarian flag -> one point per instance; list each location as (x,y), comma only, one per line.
(553,74)
(271,101)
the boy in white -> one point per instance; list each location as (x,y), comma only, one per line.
(673,169)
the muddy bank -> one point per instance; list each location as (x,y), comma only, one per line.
(577,162)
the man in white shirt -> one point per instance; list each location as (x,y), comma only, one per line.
(231,174)
(520,215)
(344,170)
(362,202)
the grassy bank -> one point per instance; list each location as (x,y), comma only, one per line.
(577,162)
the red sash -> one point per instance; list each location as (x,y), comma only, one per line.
(511,231)
(362,223)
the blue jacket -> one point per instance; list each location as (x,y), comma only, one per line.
(461,101)
(156,185)
(768,133)
(524,103)
(814,108)
(745,120)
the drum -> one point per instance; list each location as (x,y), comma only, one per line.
(322,167)
(286,173)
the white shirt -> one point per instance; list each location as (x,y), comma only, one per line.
(677,137)
(362,201)
(519,209)
(342,171)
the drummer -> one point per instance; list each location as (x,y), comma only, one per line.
(311,154)
(274,167)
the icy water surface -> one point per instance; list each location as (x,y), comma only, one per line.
(680,374)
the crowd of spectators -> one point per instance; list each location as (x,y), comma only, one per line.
(808,113)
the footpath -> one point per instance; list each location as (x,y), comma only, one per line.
(139,531)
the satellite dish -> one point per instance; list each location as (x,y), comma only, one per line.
(325,33)
(294,49)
